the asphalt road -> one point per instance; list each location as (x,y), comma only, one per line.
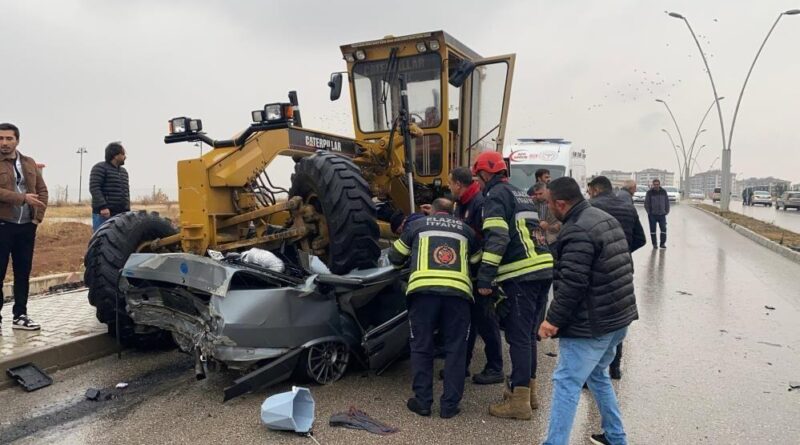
(706,363)
(787,219)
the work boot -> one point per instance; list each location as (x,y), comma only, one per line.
(488,377)
(534,399)
(414,405)
(518,406)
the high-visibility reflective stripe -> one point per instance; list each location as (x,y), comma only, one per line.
(475,259)
(523,271)
(495,223)
(528,214)
(443,274)
(429,233)
(422,254)
(525,236)
(443,282)
(401,247)
(491,258)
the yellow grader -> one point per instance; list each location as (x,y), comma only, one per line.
(422,105)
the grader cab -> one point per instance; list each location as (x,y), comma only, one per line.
(422,105)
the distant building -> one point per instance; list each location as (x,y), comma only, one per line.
(646,177)
(616,177)
(706,182)
(773,185)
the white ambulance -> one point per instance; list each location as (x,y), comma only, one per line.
(557,155)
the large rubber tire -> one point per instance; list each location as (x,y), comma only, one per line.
(109,249)
(345,201)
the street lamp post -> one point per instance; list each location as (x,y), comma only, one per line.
(81,151)
(711,167)
(678,158)
(683,148)
(697,155)
(726,149)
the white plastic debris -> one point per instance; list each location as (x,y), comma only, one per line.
(121,385)
(264,258)
(289,411)
(317,266)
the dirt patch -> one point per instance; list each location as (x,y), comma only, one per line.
(772,232)
(59,248)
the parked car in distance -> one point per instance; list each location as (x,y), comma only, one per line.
(696,194)
(760,197)
(641,191)
(672,193)
(788,200)
(715,194)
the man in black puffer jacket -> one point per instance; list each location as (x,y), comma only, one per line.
(593,305)
(108,184)
(623,211)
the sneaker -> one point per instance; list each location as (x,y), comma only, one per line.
(414,405)
(488,377)
(615,373)
(25,323)
(599,439)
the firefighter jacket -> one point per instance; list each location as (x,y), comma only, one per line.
(441,248)
(514,245)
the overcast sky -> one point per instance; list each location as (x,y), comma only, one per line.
(84,73)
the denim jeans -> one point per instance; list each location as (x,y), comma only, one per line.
(97,221)
(585,360)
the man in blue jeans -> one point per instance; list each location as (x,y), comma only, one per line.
(592,306)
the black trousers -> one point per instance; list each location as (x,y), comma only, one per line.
(451,315)
(485,325)
(528,300)
(16,241)
(661,220)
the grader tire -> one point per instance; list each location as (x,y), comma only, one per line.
(344,199)
(109,249)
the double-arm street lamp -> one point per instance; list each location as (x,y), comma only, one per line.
(726,148)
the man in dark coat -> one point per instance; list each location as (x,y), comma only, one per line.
(656,204)
(623,211)
(108,184)
(592,307)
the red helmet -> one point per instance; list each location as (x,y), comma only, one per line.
(490,162)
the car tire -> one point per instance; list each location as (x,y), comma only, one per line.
(334,185)
(109,249)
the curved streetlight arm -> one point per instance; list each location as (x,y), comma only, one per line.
(697,133)
(674,148)
(680,136)
(752,65)
(697,155)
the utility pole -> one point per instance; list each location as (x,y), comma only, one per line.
(81,151)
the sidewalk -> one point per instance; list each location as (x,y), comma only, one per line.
(70,335)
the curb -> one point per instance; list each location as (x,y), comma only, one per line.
(60,356)
(764,241)
(41,285)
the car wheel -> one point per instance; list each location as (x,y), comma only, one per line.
(109,249)
(325,362)
(348,229)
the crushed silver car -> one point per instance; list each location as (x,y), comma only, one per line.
(237,314)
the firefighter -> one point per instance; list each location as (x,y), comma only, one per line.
(516,260)
(441,248)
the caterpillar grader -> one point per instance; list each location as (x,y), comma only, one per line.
(422,105)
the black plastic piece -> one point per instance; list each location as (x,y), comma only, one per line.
(30,376)
(276,371)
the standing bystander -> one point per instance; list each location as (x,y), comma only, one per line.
(593,306)
(656,204)
(23,201)
(108,183)
(627,190)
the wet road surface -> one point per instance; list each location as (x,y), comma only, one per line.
(787,219)
(706,363)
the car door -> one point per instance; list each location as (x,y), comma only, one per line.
(388,342)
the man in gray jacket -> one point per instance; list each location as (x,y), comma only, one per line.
(627,190)
(656,204)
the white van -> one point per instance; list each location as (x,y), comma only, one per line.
(557,155)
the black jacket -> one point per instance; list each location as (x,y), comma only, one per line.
(109,188)
(593,280)
(513,243)
(656,202)
(626,214)
(441,248)
(471,212)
